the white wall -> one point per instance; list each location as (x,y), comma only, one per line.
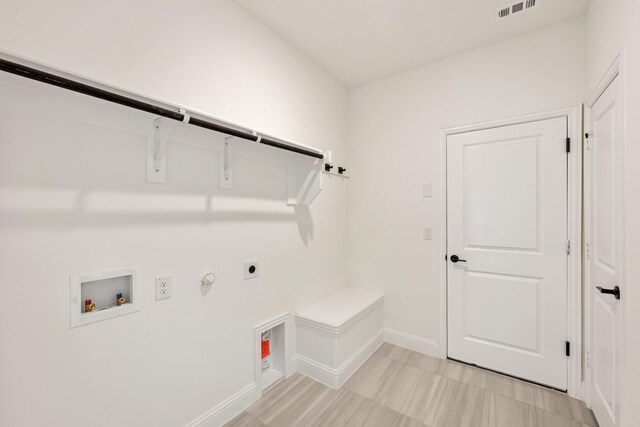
(394,148)
(632,212)
(605,37)
(612,29)
(74,198)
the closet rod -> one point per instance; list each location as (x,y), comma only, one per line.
(54,80)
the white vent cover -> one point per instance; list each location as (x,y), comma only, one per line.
(517,7)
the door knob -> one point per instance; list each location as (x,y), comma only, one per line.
(615,291)
(456,258)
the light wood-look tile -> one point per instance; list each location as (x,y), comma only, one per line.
(279,391)
(394,352)
(455,404)
(411,392)
(466,374)
(386,392)
(375,377)
(549,419)
(339,410)
(244,420)
(301,403)
(372,414)
(428,363)
(561,404)
(384,349)
(511,388)
(500,411)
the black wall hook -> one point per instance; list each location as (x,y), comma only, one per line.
(341,170)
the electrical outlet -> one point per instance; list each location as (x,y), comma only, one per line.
(163,287)
(427,234)
(251,269)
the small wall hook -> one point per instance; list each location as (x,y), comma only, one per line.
(328,167)
(341,170)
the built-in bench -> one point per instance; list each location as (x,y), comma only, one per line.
(334,336)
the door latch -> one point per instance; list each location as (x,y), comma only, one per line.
(615,291)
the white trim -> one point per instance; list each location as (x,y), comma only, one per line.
(574,209)
(335,378)
(228,409)
(612,72)
(574,278)
(413,342)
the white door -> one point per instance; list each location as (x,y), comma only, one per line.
(603,173)
(507,224)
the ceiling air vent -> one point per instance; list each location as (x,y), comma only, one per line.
(517,7)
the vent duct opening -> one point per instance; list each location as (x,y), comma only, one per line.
(516,7)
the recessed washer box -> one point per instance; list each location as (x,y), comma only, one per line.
(102,287)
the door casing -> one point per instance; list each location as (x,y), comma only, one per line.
(574,222)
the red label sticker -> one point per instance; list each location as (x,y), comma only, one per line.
(265,349)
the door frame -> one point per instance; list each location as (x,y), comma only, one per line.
(574,227)
(616,69)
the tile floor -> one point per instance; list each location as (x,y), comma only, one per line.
(397,387)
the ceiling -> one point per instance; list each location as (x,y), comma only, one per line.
(362,40)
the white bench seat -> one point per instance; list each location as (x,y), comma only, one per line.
(335,335)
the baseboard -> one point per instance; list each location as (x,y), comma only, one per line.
(227,409)
(335,378)
(412,342)
(318,371)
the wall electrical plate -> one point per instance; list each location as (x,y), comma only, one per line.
(163,287)
(427,233)
(251,269)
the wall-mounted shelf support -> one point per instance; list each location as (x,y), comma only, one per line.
(156,151)
(157,147)
(160,142)
(305,181)
(226,169)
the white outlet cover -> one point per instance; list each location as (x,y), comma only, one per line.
(427,190)
(163,287)
(247,266)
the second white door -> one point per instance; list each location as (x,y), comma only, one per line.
(605,255)
(507,250)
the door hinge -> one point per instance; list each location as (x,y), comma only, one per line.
(568,247)
(567,348)
(587,141)
(588,359)
(587,250)
(568,145)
